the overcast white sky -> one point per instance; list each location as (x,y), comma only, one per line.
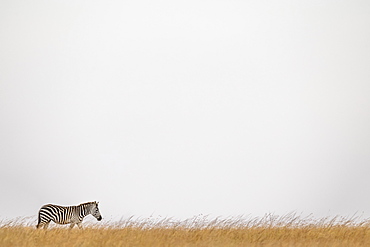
(177,108)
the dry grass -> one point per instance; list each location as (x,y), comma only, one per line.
(289,230)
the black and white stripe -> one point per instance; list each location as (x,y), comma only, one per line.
(67,215)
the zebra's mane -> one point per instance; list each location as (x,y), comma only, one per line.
(87,203)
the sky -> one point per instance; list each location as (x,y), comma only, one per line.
(180,108)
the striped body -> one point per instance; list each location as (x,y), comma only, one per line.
(67,215)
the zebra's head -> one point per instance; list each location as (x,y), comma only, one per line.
(95,211)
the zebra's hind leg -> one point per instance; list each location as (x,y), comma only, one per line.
(46,225)
(43,224)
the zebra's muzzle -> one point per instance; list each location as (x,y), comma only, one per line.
(100,218)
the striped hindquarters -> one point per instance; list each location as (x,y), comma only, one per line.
(58,214)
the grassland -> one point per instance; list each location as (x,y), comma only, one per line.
(289,230)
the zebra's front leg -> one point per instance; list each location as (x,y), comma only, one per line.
(79,224)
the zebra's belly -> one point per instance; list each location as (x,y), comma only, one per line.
(66,221)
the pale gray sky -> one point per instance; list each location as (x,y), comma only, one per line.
(177,108)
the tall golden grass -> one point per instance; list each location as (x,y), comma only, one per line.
(270,230)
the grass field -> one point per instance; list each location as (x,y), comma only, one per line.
(289,230)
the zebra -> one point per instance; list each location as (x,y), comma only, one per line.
(67,214)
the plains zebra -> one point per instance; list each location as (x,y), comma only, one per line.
(67,215)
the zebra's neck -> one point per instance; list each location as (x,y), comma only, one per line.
(84,209)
